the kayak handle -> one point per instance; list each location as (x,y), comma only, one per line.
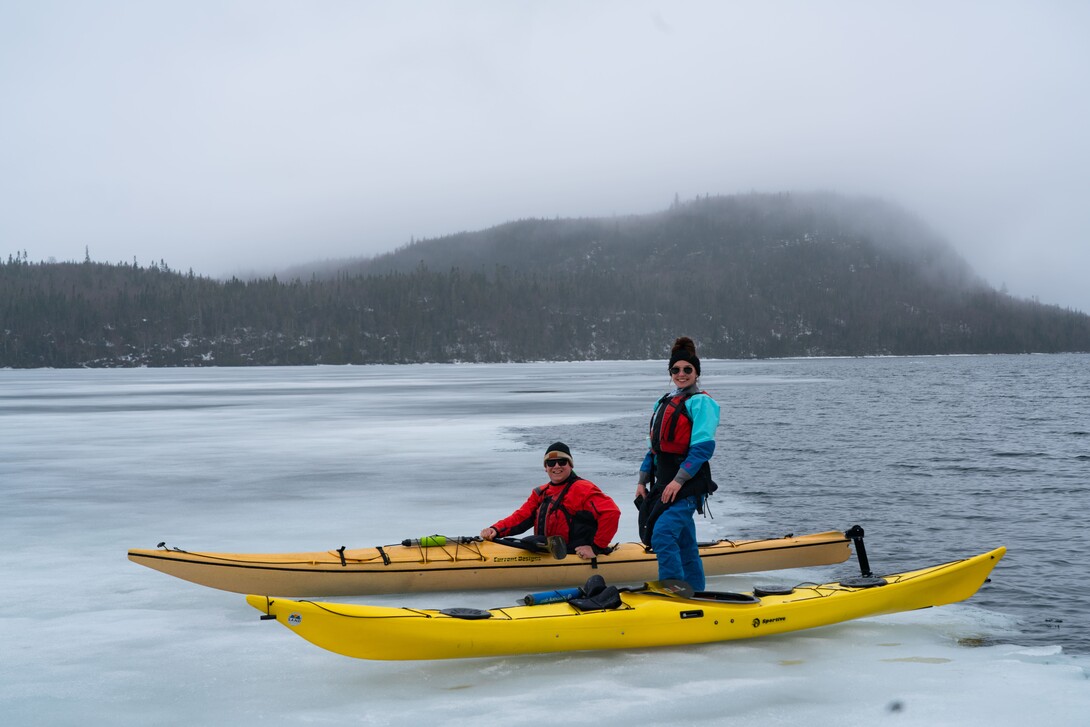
(855,532)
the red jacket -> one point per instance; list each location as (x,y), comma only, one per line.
(575,509)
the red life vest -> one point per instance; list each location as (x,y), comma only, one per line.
(671,425)
(552,517)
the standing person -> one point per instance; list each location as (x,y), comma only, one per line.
(676,469)
(568,506)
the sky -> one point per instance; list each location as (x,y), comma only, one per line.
(244,136)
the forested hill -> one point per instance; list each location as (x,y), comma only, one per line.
(746,276)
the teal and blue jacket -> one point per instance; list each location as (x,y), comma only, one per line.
(669,429)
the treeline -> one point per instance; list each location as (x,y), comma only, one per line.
(761,277)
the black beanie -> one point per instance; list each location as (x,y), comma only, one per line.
(559,449)
(684,350)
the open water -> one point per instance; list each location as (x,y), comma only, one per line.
(937,458)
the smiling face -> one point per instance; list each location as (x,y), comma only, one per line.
(559,470)
(685,374)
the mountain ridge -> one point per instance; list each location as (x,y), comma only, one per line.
(747,276)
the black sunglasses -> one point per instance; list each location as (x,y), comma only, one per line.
(678,369)
(556,462)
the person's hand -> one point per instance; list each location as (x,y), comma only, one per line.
(641,491)
(584,551)
(670,491)
(488,533)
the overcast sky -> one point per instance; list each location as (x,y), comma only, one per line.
(235,135)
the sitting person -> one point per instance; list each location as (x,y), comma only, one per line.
(569,507)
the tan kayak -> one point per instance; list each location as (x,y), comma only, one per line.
(464,563)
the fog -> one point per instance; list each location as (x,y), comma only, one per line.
(247,135)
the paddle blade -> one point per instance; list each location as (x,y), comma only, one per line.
(670,587)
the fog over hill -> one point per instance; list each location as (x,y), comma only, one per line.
(719,227)
(746,276)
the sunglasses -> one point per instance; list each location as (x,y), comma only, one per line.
(678,369)
(556,462)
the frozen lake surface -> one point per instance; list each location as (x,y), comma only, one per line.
(938,458)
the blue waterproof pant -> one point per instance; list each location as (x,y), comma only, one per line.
(674,543)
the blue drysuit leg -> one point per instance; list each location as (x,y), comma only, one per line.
(674,543)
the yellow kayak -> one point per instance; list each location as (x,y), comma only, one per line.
(639,618)
(465,563)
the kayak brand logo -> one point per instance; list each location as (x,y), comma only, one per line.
(758,621)
(295,619)
(518,559)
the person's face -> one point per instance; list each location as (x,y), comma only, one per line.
(559,470)
(685,374)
